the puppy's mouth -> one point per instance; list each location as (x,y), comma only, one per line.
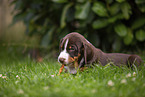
(72,62)
(69,64)
(72,67)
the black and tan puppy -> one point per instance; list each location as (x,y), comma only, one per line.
(76,51)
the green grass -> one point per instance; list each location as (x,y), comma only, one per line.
(28,78)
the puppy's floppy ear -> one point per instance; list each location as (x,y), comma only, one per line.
(88,53)
(61,42)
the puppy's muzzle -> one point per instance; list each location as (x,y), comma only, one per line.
(62,60)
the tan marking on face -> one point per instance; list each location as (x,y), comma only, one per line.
(75,60)
(77,57)
(70,60)
(69,47)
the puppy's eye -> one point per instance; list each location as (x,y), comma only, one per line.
(72,48)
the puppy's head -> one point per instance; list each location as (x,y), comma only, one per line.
(74,47)
(70,50)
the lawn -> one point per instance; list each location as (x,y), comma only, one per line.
(20,76)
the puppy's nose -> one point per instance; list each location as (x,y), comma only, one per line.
(61,60)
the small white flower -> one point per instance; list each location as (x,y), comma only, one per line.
(134,73)
(123,81)
(16,82)
(17,76)
(20,91)
(52,75)
(93,80)
(128,75)
(1,75)
(46,88)
(110,83)
(4,76)
(133,79)
(94,91)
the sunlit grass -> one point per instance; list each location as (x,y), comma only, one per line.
(23,77)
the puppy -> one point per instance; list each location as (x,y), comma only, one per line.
(76,51)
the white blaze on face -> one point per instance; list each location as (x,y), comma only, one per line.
(64,54)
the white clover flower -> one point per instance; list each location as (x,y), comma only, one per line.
(20,91)
(16,82)
(52,75)
(17,76)
(4,77)
(110,83)
(123,81)
(1,75)
(46,88)
(134,73)
(94,90)
(128,75)
(133,79)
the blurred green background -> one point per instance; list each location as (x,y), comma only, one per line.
(36,26)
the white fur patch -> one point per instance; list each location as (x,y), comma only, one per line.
(64,54)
